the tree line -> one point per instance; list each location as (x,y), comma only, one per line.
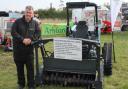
(52,13)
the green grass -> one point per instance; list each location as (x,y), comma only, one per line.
(120,69)
(119,79)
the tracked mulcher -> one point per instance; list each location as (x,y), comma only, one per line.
(78,59)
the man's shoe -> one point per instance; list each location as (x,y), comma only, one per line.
(20,87)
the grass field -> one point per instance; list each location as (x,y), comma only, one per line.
(119,79)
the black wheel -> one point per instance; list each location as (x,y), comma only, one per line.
(107,56)
(98,85)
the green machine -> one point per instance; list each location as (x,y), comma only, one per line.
(78,59)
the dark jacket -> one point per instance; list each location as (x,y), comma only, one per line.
(20,30)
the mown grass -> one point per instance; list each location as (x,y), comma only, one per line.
(119,79)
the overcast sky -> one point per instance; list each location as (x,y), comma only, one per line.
(19,5)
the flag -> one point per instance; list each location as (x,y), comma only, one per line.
(115,8)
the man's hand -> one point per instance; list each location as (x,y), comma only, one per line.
(27,41)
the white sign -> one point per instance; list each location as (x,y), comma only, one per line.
(67,49)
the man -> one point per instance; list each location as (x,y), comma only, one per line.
(36,18)
(24,31)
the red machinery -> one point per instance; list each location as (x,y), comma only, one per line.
(107,27)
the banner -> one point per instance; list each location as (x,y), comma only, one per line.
(115,8)
(52,30)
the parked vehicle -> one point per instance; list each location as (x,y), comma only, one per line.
(76,59)
(6,22)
